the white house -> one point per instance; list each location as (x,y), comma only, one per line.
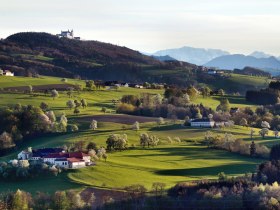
(9,73)
(76,163)
(68,160)
(68,34)
(204,122)
(25,155)
(57,156)
(212,72)
(6,73)
(62,162)
(124,84)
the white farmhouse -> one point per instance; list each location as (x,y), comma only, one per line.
(204,122)
(68,34)
(6,73)
(57,156)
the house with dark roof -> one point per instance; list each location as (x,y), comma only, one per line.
(204,122)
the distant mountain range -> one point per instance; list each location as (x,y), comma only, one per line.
(223,59)
(198,56)
(230,62)
(259,54)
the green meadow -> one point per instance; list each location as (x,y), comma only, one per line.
(169,163)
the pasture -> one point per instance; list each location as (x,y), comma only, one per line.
(169,163)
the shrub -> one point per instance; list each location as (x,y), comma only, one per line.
(125,108)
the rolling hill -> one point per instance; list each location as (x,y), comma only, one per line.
(46,54)
(30,54)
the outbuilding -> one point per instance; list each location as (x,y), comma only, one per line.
(204,122)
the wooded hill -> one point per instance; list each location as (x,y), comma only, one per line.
(46,54)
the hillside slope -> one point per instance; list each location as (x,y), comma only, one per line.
(46,54)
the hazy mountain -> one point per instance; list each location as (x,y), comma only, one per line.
(239,61)
(259,54)
(196,56)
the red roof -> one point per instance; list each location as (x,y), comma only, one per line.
(78,155)
(72,160)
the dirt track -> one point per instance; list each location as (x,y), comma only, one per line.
(123,119)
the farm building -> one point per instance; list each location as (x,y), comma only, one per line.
(57,156)
(204,122)
(6,73)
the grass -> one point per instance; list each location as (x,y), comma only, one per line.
(167,163)
(26,81)
(214,101)
(48,184)
(249,80)
(240,83)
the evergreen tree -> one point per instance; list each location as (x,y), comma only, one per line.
(252,148)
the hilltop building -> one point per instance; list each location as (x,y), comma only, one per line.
(68,34)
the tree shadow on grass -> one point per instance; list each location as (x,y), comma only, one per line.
(193,153)
(209,171)
(167,127)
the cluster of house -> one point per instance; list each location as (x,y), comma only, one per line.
(132,85)
(56,156)
(68,34)
(215,72)
(123,84)
(6,73)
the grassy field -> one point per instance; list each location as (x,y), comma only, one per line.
(214,101)
(167,163)
(249,80)
(239,83)
(26,81)
(96,99)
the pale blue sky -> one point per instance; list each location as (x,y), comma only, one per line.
(149,25)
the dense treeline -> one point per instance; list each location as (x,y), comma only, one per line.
(252,71)
(67,200)
(262,97)
(175,104)
(20,122)
(266,96)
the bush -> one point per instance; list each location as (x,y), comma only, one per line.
(125,108)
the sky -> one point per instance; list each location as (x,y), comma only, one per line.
(238,26)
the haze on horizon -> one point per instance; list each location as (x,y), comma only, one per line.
(236,26)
